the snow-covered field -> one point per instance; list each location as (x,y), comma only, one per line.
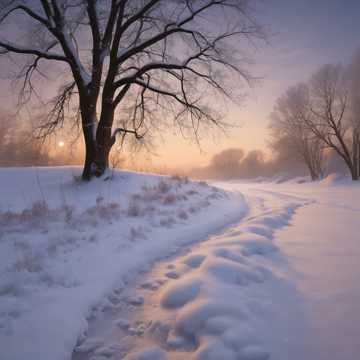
(67,249)
(142,267)
(321,250)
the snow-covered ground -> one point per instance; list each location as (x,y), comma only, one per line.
(214,301)
(322,252)
(67,249)
(178,270)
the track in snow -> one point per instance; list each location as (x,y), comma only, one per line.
(220,299)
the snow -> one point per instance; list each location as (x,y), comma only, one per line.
(255,271)
(68,249)
(321,261)
(85,76)
(218,298)
(244,292)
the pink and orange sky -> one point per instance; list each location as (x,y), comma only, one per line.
(303,36)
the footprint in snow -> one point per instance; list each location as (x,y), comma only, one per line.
(254,247)
(151,285)
(122,323)
(173,274)
(230,255)
(135,300)
(260,230)
(194,261)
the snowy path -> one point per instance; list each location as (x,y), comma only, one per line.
(222,299)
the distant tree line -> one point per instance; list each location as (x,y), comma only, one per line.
(236,163)
(320,116)
(18,148)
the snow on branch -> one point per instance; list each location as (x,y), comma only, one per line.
(8,47)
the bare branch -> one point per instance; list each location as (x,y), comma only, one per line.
(9,47)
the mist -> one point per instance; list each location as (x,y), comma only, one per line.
(236,163)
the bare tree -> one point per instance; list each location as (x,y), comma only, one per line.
(353,75)
(289,130)
(132,61)
(329,105)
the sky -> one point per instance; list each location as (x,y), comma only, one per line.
(303,35)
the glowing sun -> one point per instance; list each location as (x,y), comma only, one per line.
(61,144)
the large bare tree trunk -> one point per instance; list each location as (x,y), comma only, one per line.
(96,153)
(97,146)
(87,121)
(104,138)
(90,153)
(104,144)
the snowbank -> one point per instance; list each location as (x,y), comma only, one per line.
(67,248)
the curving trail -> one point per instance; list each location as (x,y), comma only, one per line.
(259,290)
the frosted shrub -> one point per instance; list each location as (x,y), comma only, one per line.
(153,193)
(149,194)
(38,210)
(30,261)
(134,210)
(182,214)
(203,183)
(180,179)
(105,211)
(68,213)
(163,187)
(170,199)
(111,210)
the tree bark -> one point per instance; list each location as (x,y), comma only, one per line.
(104,139)
(97,146)
(96,154)
(90,154)
(104,144)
